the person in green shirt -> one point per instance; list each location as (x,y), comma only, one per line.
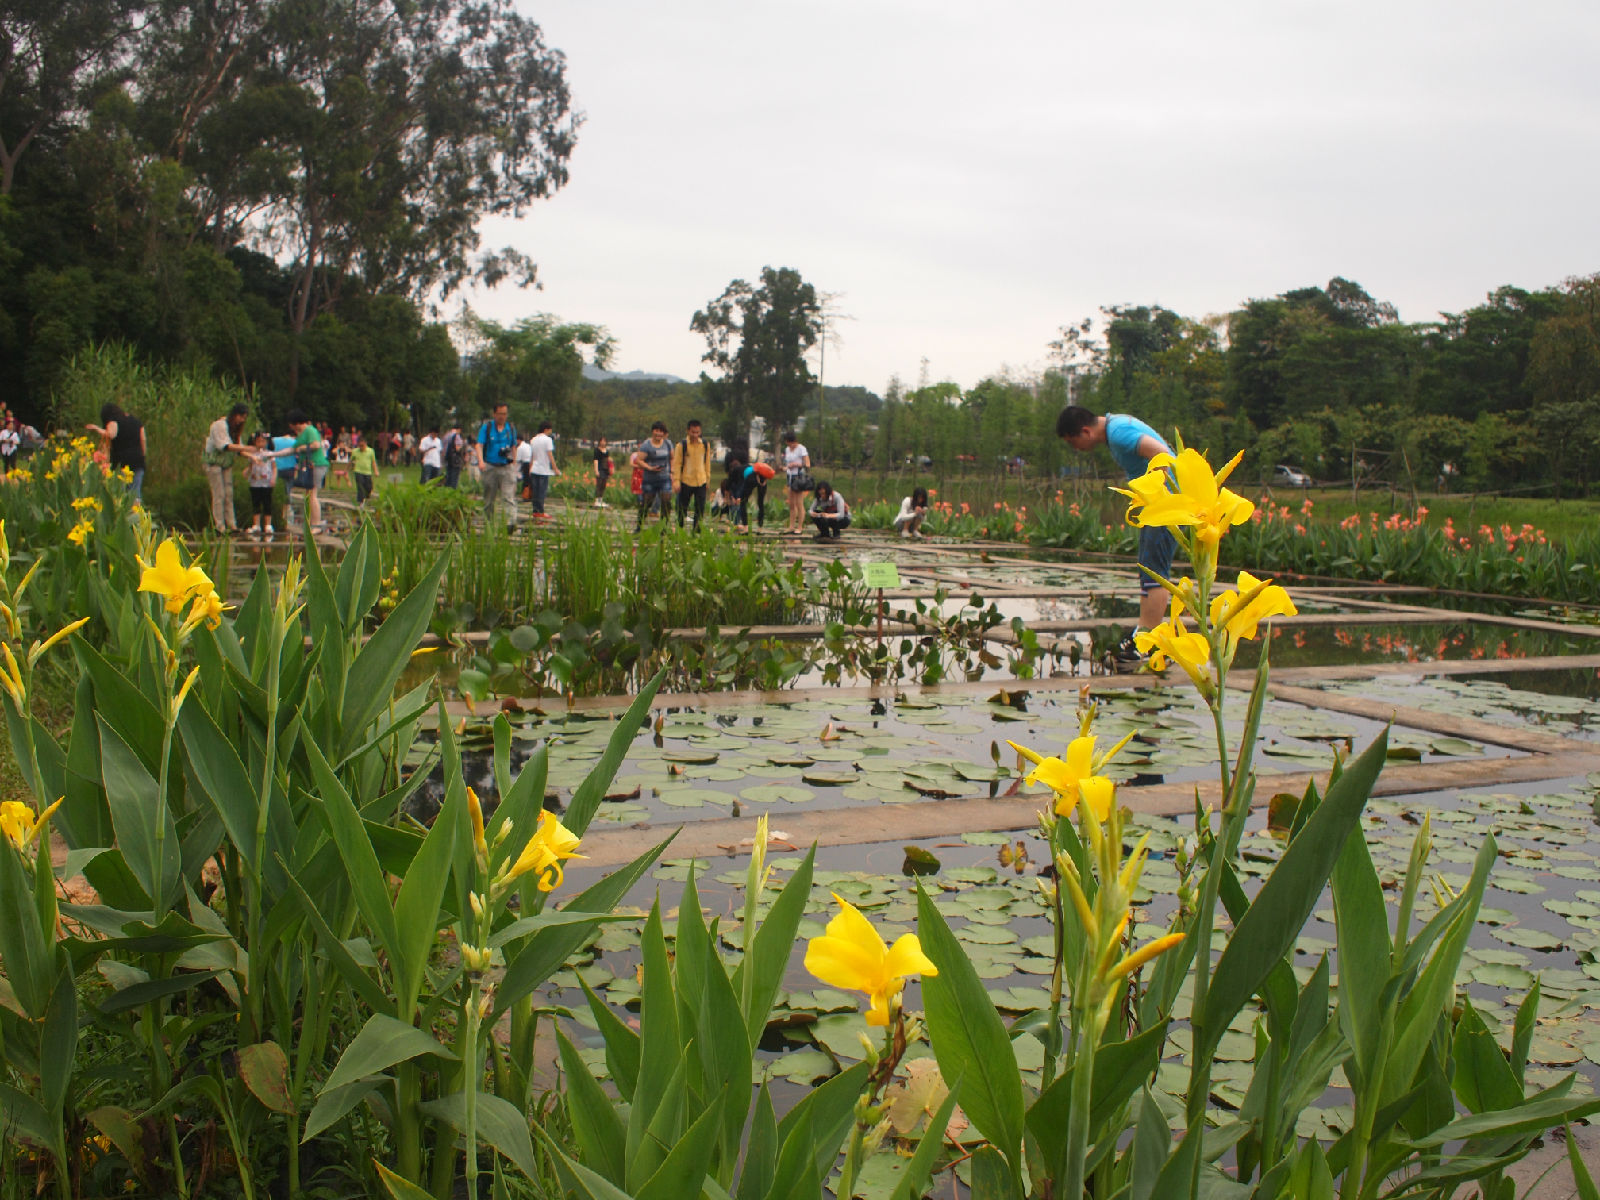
(311,454)
(364,466)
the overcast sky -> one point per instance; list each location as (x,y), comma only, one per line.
(968,177)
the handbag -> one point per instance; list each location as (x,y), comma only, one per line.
(304,478)
(802,481)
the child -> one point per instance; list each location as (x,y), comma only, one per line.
(364,466)
(263,479)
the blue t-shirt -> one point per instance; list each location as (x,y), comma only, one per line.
(1123,434)
(499,445)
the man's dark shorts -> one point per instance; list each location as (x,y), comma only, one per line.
(1156,547)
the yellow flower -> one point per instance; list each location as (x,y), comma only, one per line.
(80,532)
(207,607)
(1171,640)
(86,504)
(1074,777)
(550,844)
(480,847)
(18,823)
(1190,496)
(851,955)
(1132,962)
(11,677)
(1236,614)
(170,578)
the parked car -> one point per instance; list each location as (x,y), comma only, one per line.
(1285,476)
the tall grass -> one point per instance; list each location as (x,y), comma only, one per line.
(176,404)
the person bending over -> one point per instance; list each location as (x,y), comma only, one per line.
(829,513)
(1132,444)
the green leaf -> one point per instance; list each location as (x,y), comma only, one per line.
(601,1137)
(1120,1070)
(547,951)
(969,1038)
(992,1177)
(660,1041)
(29,959)
(383,1042)
(761,1150)
(1581,1179)
(416,910)
(1530,1118)
(622,1043)
(140,994)
(814,1129)
(683,1172)
(24,1114)
(1152,1142)
(1482,1080)
(1267,932)
(367,883)
(500,1124)
(333,1103)
(399,1188)
(146,834)
(586,799)
(369,989)
(1362,930)
(58,1042)
(774,942)
(369,685)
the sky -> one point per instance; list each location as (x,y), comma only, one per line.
(966,178)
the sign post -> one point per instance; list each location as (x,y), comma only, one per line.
(880,575)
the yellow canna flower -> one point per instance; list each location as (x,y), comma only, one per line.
(549,846)
(1171,640)
(86,504)
(207,607)
(1132,962)
(18,823)
(80,532)
(1075,777)
(170,578)
(1236,614)
(480,848)
(1192,495)
(851,955)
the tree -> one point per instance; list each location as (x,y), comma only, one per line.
(53,53)
(758,338)
(535,365)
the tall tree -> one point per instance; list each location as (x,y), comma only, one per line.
(758,338)
(536,365)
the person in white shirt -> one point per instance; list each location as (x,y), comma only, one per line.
(432,450)
(523,457)
(10,444)
(797,467)
(541,468)
(913,511)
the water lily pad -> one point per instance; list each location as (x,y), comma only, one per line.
(776,793)
(829,778)
(704,757)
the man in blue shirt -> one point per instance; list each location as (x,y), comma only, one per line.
(497,449)
(1132,444)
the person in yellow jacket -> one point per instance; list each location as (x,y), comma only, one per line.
(691,473)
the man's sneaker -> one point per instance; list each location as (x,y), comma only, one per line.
(1127,658)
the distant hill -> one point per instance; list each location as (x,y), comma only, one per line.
(590,371)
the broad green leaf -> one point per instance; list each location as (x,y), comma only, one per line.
(140,994)
(1152,1142)
(818,1123)
(969,1038)
(992,1178)
(660,1041)
(774,942)
(1267,932)
(586,799)
(368,988)
(58,1042)
(761,1150)
(416,909)
(684,1170)
(383,1042)
(1362,930)
(378,667)
(500,1124)
(28,958)
(222,777)
(1120,1070)
(601,1137)
(367,883)
(142,818)
(547,951)
(1531,1117)
(24,1114)
(622,1043)
(1482,1079)
(399,1188)
(1581,1179)
(333,1103)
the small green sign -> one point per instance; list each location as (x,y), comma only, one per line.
(880,575)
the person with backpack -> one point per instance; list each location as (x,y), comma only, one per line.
(455,455)
(744,479)
(496,449)
(691,474)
